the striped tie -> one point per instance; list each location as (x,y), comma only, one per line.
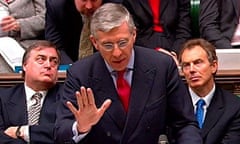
(34,110)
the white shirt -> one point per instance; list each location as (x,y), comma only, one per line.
(207,99)
(29,93)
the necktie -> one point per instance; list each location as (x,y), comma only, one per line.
(200,112)
(85,46)
(34,110)
(123,89)
(155,7)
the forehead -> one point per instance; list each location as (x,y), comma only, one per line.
(196,52)
(84,1)
(47,51)
(114,34)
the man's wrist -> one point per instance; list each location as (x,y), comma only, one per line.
(18,132)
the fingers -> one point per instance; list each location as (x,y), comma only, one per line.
(91,99)
(79,99)
(9,23)
(85,99)
(72,108)
(84,96)
(105,106)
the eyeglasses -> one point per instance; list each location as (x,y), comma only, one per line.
(122,44)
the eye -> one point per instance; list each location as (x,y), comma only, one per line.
(40,59)
(54,61)
(198,62)
(122,43)
(108,46)
(185,65)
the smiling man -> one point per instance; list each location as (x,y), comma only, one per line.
(217,110)
(27,110)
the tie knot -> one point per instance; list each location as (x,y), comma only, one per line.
(36,97)
(120,73)
(201,103)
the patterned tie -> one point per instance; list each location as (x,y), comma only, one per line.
(34,110)
(85,46)
(123,89)
(200,112)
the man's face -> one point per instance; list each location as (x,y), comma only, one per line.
(115,46)
(41,67)
(87,7)
(197,69)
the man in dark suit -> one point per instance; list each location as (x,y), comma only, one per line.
(64,24)
(161,24)
(221,111)
(17,124)
(218,22)
(135,107)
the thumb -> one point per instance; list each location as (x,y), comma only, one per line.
(105,106)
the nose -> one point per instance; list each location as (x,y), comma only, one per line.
(47,63)
(192,67)
(89,4)
(116,51)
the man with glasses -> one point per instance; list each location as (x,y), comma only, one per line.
(28,110)
(123,93)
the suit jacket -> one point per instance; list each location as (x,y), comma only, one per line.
(174,17)
(63,27)
(218,21)
(222,122)
(31,16)
(158,98)
(13,112)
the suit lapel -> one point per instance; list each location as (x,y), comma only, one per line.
(215,110)
(17,104)
(49,105)
(104,88)
(163,5)
(146,6)
(143,77)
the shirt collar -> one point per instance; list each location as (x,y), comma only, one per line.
(30,92)
(207,98)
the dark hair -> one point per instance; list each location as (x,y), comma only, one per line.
(205,45)
(38,45)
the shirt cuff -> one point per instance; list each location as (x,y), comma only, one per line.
(76,136)
(26,135)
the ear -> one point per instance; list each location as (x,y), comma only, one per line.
(93,40)
(134,34)
(214,66)
(24,67)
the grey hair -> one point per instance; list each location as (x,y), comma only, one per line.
(109,16)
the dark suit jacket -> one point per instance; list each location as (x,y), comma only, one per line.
(174,16)
(63,27)
(218,21)
(158,97)
(13,112)
(222,122)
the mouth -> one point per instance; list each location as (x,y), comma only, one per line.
(194,78)
(118,61)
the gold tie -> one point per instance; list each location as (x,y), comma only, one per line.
(85,46)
